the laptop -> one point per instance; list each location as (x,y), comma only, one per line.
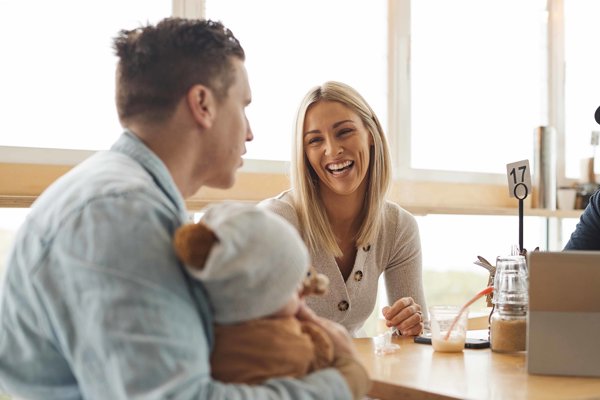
(563,329)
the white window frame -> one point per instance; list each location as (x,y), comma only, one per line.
(412,188)
(399,81)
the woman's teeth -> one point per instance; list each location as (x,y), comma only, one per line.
(339,167)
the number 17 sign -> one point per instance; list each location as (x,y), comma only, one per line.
(519,179)
(519,186)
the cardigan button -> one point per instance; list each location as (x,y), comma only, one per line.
(358,275)
(343,305)
(367,247)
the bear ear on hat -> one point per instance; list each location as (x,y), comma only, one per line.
(193,243)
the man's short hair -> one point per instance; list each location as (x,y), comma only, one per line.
(159,64)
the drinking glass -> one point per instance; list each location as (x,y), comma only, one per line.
(511,280)
(442,318)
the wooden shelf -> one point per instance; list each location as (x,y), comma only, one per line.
(7,201)
(197,204)
(457,210)
(20,184)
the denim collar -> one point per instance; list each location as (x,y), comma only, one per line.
(132,146)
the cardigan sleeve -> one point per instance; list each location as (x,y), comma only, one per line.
(404,272)
(279,205)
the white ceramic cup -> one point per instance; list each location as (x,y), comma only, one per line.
(565,198)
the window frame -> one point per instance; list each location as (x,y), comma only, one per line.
(478,183)
(26,172)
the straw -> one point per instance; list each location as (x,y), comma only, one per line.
(485,291)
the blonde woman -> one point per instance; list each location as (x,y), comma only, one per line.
(341,173)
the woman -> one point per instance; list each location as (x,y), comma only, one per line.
(341,173)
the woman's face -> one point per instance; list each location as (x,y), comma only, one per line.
(337,144)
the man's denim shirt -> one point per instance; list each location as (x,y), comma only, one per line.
(95,304)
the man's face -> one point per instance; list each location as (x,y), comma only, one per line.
(230,131)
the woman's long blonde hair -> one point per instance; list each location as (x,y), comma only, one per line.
(314,224)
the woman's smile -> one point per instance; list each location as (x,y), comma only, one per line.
(339,168)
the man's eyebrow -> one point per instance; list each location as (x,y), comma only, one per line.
(334,126)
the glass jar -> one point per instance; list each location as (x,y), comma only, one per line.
(508,328)
(508,322)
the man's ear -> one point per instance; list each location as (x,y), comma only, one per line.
(202,103)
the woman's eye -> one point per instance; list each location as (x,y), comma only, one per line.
(313,140)
(344,131)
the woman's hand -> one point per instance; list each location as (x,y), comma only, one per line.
(405,315)
(342,341)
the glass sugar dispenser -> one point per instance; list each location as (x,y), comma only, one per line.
(508,322)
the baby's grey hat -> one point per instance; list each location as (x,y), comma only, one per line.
(257,264)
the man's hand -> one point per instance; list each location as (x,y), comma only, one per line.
(345,357)
(340,337)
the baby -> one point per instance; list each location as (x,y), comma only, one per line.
(255,268)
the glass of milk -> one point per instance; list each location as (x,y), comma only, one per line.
(442,319)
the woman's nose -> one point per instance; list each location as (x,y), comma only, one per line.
(332,148)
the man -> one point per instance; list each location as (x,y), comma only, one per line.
(586,235)
(95,304)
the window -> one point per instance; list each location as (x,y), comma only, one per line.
(57,83)
(469,83)
(451,243)
(10,221)
(293,46)
(567,227)
(58,68)
(477,83)
(582,82)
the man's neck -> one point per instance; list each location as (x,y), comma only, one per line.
(173,145)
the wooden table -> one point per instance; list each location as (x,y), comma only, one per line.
(415,371)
